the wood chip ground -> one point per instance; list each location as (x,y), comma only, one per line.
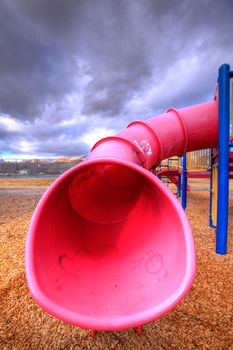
(203,320)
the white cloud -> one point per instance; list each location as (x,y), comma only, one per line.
(95,135)
(9,124)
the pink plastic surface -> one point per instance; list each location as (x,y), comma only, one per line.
(109,246)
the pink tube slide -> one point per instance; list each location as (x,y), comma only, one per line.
(109,246)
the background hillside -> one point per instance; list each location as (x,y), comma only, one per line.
(38,167)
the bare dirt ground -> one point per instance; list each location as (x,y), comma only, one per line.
(18,183)
(202,321)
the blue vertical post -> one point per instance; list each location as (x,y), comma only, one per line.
(179,186)
(223,158)
(184,182)
(211,188)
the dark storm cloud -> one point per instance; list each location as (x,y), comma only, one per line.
(97,64)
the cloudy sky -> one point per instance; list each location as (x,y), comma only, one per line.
(74,71)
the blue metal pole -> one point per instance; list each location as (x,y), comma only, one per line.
(184,182)
(179,186)
(223,158)
(211,188)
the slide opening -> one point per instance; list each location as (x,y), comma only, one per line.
(106,193)
(103,260)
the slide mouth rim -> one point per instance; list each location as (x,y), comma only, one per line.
(98,323)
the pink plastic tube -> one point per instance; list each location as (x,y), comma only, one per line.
(109,246)
(171,134)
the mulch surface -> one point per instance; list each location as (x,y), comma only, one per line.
(203,320)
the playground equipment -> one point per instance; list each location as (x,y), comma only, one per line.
(214,184)
(170,172)
(109,246)
(219,162)
(194,165)
(222,162)
(198,164)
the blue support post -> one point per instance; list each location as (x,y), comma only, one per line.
(184,182)
(179,186)
(223,158)
(211,188)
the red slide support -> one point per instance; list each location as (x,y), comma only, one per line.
(109,246)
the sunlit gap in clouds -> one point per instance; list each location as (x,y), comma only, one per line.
(95,135)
